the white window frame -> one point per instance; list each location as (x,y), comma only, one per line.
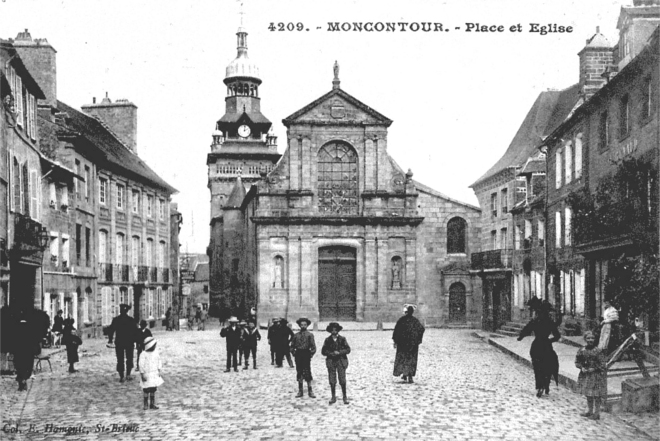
(135,201)
(567,226)
(103,191)
(66,244)
(557,229)
(121,191)
(568,160)
(558,171)
(119,255)
(150,201)
(578,156)
(55,247)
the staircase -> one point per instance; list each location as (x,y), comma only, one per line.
(510,329)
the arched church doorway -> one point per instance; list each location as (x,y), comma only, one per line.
(457,303)
(337,291)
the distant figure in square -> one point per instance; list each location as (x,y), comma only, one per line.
(274,322)
(250,338)
(233,335)
(150,368)
(143,333)
(335,348)
(303,349)
(71,341)
(592,379)
(407,336)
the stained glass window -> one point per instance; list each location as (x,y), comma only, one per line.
(338,179)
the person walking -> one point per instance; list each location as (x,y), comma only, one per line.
(303,349)
(250,338)
(150,368)
(544,358)
(71,341)
(124,327)
(407,336)
(203,316)
(592,380)
(232,334)
(168,321)
(336,349)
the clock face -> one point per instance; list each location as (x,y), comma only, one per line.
(244,131)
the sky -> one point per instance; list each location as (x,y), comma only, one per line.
(456,97)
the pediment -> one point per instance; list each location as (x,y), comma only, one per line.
(337,107)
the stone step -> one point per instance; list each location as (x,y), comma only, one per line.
(506,333)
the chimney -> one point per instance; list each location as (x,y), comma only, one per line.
(40,59)
(120,117)
(596,56)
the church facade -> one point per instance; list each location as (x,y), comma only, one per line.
(337,230)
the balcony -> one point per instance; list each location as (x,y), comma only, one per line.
(492,260)
(165,275)
(142,273)
(105,272)
(153,274)
(121,271)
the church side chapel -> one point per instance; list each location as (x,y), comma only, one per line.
(337,230)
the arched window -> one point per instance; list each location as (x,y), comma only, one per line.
(338,179)
(396,270)
(278,272)
(456,228)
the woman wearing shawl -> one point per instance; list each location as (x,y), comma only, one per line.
(407,337)
(544,357)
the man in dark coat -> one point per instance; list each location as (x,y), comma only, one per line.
(26,344)
(126,329)
(335,348)
(282,337)
(250,338)
(407,336)
(233,335)
(303,349)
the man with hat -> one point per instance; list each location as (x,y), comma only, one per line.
(126,329)
(303,349)
(233,335)
(283,335)
(335,348)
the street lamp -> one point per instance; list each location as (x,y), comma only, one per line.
(44,238)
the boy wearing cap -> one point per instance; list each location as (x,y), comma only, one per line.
(233,335)
(124,326)
(150,366)
(335,348)
(250,338)
(303,349)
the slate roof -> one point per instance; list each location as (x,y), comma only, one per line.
(202,272)
(338,92)
(255,117)
(28,80)
(549,110)
(112,150)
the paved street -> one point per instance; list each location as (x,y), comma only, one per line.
(465,389)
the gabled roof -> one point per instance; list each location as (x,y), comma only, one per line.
(112,150)
(237,195)
(338,92)
(201,272)
(549,110)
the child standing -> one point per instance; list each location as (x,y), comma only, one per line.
(71,341)
(592,380)
(150,367)
(335,348)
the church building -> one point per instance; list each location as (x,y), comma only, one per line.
(337,230)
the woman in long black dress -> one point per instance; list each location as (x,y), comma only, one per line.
(544,357)
(407,336)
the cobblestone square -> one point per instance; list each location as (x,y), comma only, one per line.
(465,389)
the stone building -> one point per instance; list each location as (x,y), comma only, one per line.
(337,230)
(603,168)
(23,235)
(107,211)
(243,147)
(498,190)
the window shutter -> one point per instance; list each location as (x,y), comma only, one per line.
(34,116)
(19,100)
(34,199)
(558,170)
